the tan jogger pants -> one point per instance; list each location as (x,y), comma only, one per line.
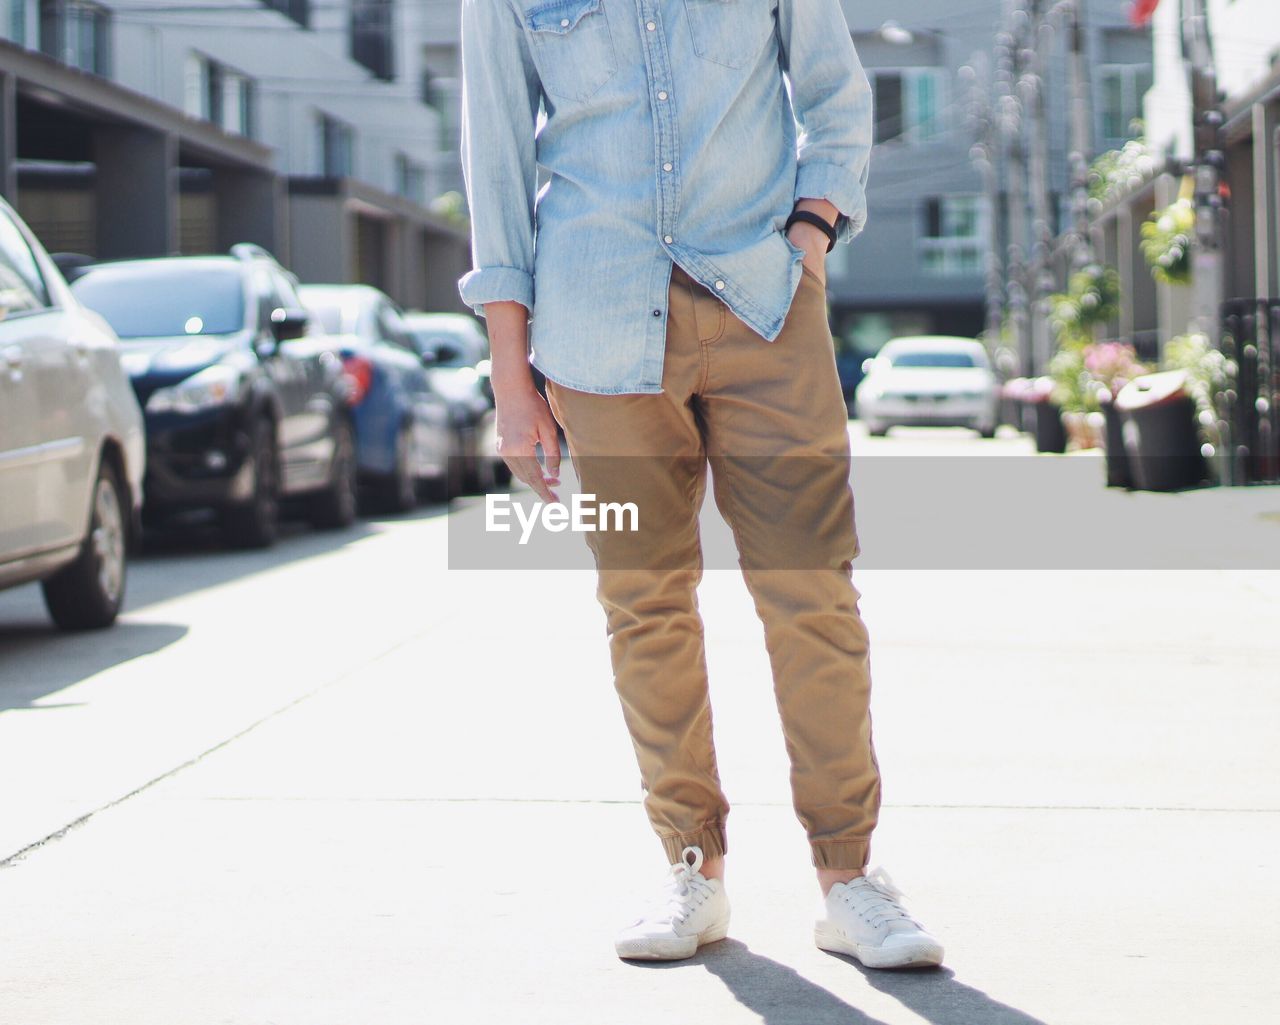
(771,421)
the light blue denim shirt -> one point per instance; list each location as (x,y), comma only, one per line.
(667,129)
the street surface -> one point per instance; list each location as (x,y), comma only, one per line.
(337,783)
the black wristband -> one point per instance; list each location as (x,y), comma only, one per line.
(817,220)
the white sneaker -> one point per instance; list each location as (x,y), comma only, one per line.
(865,918)
(692,910)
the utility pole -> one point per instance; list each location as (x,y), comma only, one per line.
(1081,137)
(1208,278)
(1010,59)
(1042,280)
(986,154)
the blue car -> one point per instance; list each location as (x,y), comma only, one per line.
(405,446)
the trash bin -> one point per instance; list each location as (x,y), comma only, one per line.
(1119,473)
(1045,416)
(1158,425)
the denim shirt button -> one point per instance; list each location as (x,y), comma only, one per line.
(719,286)
(657,313)
(662,95)
(667,239)
(666,167)
(650,26)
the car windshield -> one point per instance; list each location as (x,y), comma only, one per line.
(327,313)
(467,351)
(165,300)
(338,310)
(932,359)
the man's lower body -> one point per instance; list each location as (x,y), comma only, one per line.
(770,421)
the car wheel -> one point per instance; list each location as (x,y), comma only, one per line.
(877,430)
(479,478)
(502,475)
(986,430)
(87,594)
(335,506)
(399,492)
(255,523)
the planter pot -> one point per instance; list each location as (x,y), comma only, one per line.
(1082,430)
(1119,472)
(1158,424)
(1046,426)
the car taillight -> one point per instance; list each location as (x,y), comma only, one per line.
(359,374)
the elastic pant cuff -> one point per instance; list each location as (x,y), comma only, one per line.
(711,838)
(841,854)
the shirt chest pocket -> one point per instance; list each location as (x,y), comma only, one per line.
(571,46)
(729,32)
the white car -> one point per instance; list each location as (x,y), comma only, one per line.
(931,381)
(72,450)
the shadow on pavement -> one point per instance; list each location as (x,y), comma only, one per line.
(781,996)
(937,997)
(778,994)
(36,660)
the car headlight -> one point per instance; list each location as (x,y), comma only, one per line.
(214,386)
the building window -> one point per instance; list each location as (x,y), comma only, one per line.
(1122,89)
(298,10)
(219,94)
(953,236)
(372,43)
(907,103)
(15,22)
(411,179)
(337,148)
(76,33)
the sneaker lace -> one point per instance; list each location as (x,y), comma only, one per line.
(686,890)
(878,901)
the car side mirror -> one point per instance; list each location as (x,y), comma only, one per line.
(289,324)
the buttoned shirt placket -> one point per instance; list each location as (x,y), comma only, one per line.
(666,166)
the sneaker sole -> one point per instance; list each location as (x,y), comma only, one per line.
(669,950)
(922,954)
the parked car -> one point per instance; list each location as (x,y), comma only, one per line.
(245,405)
(72,450)
(928,380)
(457,351)
(405,440)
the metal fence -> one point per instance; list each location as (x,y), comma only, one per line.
(1250,404)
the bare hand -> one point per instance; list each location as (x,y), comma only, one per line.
(524,422)
(814,244)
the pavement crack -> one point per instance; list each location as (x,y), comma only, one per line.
(21,854)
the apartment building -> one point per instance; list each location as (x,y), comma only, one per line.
(1245,37)
(151,126)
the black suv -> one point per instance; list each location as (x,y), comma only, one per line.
(245,405)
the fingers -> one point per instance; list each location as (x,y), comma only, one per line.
(527,470)
(550,440)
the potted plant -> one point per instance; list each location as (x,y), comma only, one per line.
(1167,236)
(1110,366)
(1091,299)
(1076,397)
(1209,376)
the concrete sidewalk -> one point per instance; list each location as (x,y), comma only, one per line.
(1082,794)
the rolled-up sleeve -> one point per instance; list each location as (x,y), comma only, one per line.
(500,95)
(832,101)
